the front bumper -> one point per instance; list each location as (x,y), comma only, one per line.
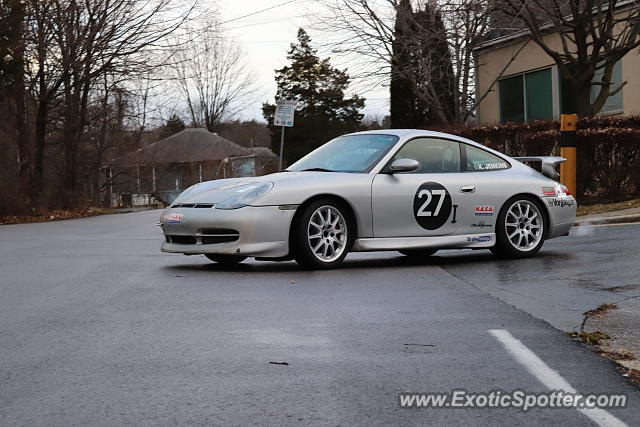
(263,230)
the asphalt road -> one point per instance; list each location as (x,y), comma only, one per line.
(97,327)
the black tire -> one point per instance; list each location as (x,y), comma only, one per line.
(507,247)
(340,239)
(226,259)
(418,253)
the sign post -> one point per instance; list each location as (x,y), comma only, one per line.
(568,127)
(285,110)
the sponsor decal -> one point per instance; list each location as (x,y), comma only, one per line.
(432,205)
(481,225)
(490,166)
(483,210)
(174,218)
(549,191)
(560,203)
(479,238)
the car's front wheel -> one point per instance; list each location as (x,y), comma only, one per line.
(226,259)
(322,236)
(520,228)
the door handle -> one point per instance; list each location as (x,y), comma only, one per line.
(468,189)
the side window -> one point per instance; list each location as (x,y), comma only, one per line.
(434,155)
(480,160)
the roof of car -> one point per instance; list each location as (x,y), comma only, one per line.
(408,133)
(413,132)
(398,132)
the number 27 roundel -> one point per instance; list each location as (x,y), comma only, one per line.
(431,205)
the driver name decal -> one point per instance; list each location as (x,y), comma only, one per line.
(431,205)
(491,166)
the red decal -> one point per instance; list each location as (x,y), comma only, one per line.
(549,191)
(483,210)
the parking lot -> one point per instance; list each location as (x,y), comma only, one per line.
(97,326)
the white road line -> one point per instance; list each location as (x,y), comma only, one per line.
(549,377)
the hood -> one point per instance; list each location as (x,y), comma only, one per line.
(213,191)
(222,189)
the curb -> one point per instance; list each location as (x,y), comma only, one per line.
(619,219)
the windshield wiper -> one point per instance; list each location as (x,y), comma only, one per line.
(317,170)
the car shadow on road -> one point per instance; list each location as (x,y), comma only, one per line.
(390,260)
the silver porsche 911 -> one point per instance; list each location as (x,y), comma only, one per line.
(412,191)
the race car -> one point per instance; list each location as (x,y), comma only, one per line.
(412,191)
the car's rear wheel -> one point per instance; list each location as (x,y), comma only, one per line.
(322,236)
(418,253)
(226,259)
(520,228)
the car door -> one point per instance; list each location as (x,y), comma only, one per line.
(424,202)
(486,178)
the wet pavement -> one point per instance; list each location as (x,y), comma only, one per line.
(595,265)
(98,327)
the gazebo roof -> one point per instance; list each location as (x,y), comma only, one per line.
(191,145)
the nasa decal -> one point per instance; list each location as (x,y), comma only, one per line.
(431,205)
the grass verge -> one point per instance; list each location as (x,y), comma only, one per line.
(597,208)
(56,215)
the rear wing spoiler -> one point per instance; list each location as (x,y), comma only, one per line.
(549,164)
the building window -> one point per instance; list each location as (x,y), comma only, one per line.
(526,97)
(511,99)
(613,103)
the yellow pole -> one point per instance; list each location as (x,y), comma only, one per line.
(568,128)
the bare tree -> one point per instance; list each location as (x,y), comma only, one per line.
(369,29)
(213,76)
(13,17)
(72,45)
(593,35)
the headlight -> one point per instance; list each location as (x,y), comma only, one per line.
(245,194)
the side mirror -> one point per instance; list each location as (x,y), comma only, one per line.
(404,165)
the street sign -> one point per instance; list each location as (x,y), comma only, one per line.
(284,113)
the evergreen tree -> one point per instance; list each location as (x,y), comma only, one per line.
(323,112)
(173,125)
(422,87)
(402,98)
(439,75)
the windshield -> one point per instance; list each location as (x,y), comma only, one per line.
(351,153)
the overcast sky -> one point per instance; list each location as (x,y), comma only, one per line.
(266,37)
